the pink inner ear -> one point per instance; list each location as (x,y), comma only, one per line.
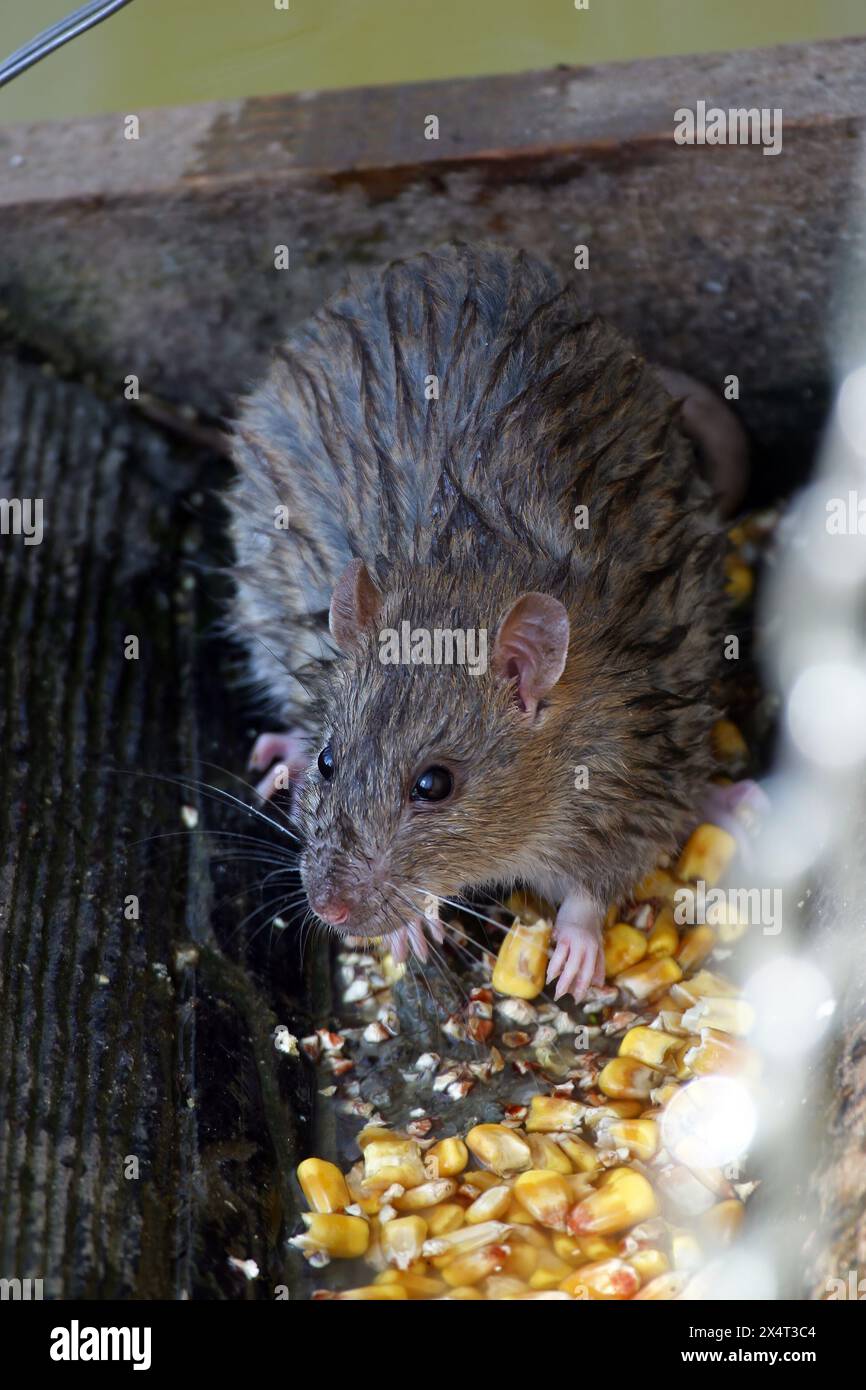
(355,605)
(531,647)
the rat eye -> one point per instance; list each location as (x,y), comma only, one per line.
(434,784)
(325,762)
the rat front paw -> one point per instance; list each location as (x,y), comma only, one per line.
(578,954)
(285,755)
(412,938)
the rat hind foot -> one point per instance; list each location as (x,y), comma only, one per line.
(286,756)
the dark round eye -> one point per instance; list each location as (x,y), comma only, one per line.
(325,762)
(434,784)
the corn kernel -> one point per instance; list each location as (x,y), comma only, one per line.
(341,1237)
(370,1132)
(649,1045)
(323,1185)
(416,1285)
(547,1153)
(499,1148)
(723,1015)
(723,1221)
(696,945)
(740,580)
(549,1271)
(474,1266)
(625,1078)
(625,1199)
(581,1250)
(545,1195)
(466,1294)
(623,946)
(703,985)
(501,1286)
(447,1216)
(426,1194)
(388,1161)
(552,1114)
(380,1293)
(665,1286)
(521,965)
(403,1239)
(478,1180)
(453,1243)
(649,1264)
(664,939)
(490,1206)
(658,884)
(640,1137)
(685,1251)
(582,1156)
(719,1052)
(708,852)
(451,1155)
(650,976)
(521,1260)
(728,744)
(604,1280)
(517,1215)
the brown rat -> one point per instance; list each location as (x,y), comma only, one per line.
(456,444)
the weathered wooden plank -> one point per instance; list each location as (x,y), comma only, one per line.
(110,1047)
(156,256)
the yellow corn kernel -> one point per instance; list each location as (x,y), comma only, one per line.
(387,1161)
(341,1237)
(380,1293)
(613,1109)
(703,985)
(624,1078)
(466,1294)
(451,1155)
(649,1264)
(708,852)
(501,1286)
(490,1206)
(725,918)
(371,1132)
(529,1235)
(623,946)
(719,1052)
(583,1157)
(521,965)
(651,975)
(723,1221)
(740,581)
(478,1180)
(722,1015)
(625,1199)
(474,1266)
(323,1185)
(447,1216)
(546,1153)
(517,1215)
(658,884)
(499,1148)
(416,1285)
(426,1194)
(603,1280)
(442,1249)
(728,744)
(521,1260)
(686,1252)
(665,1286)
(640,1137)
(545,1195)
(553,1114)
(581,1250)
(403,1239)
(663,1095)
(529,906)
(697,943)
(649,1045)
(664,939)
(549,1271)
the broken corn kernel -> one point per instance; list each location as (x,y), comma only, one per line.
(625,1199)
(341,1237)
(606,1279)
(650,976)
(451,1156)
(402,1240)
(545,1195)
(447,1216)
(640,1137)
(490,1206)
(521,965)
(394,1160)
(547,1153)
(623,946)
(499,1148)
(552,1114)
(719,1052)
(648,1045)
(582,1156)
(708,852)
(664,939)
(696,945)
(624,1078)
(723,1015)
(323,1185)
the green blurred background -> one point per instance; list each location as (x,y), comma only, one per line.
(159,52)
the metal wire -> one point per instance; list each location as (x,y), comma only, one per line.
(58,34)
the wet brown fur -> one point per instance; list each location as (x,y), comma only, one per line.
(457,506)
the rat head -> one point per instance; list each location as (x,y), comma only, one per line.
(440,746)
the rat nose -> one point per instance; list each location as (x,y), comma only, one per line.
(332,910)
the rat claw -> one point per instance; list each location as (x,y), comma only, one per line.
(417,939)
(398,942)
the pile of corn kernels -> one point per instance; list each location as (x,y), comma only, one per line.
(566,1198)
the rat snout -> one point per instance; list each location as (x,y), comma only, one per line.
(331,909)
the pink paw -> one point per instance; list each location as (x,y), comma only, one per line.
(411,937)
(286,756)
(577,960)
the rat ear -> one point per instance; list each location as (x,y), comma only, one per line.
(531,646)
(354,605)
